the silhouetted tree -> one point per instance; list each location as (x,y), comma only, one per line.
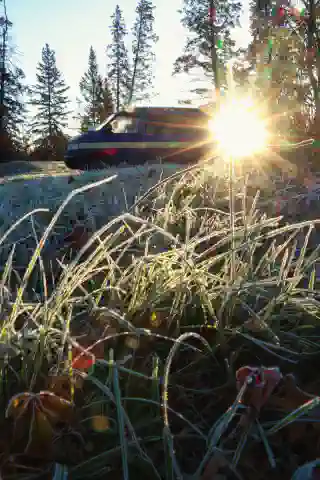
(142,46)
(5,24)
(12,89)
(15,105)
(286,69)
(118,65)
(49,96)
(311,57)
(96,94)
(209,47)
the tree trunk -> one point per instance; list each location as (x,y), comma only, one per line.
(118,79)
(214,56)
(312,41)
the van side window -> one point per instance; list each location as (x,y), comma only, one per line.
(157,128)
(170,128)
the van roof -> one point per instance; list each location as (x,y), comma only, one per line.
(154,114)
(169,110)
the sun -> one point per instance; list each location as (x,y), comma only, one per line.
(238,129)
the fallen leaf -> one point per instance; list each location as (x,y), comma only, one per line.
(57,409)
(261,383)
(36,420)
(62,385)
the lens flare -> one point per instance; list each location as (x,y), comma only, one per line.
(238,129)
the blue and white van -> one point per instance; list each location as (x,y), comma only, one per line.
(140,135)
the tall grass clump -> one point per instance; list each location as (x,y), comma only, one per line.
(125,364)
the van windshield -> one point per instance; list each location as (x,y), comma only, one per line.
(121,122)
(107,120)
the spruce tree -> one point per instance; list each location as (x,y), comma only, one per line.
(210,45)
(142,46)
(118,66)
(107,106)
(50,99)
(96,95)
(12,89)
(15,105)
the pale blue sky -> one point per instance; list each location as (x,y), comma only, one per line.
(71,26)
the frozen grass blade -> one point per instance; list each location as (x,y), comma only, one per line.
(219,429)
(266,444)
(60,472)
(172,468)
(240,446)
(98,462)
(103,388)
(193,427)
(304,409)
(45,237)
(167,367)
(172,465)
(156,379)
(121,424)
(18,222)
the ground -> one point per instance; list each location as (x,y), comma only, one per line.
(22,167)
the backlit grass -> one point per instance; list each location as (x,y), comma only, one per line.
(151,297)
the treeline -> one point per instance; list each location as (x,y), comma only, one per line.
(129,78)
(281,64)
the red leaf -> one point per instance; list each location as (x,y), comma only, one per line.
(85,360)
(82,361)
(261,383)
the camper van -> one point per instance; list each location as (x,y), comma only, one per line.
(140,135)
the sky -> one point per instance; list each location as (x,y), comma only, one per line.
(71,26)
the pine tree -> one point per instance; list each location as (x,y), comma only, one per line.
(210,45)
(107,106)
(143,56)
(118,67)
(12,89)
(96,95)
(5,24)
(14,103)
(49,96)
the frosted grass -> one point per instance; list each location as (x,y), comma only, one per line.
(22,194)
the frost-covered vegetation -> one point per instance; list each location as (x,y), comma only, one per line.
(21,194)
(128,362)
